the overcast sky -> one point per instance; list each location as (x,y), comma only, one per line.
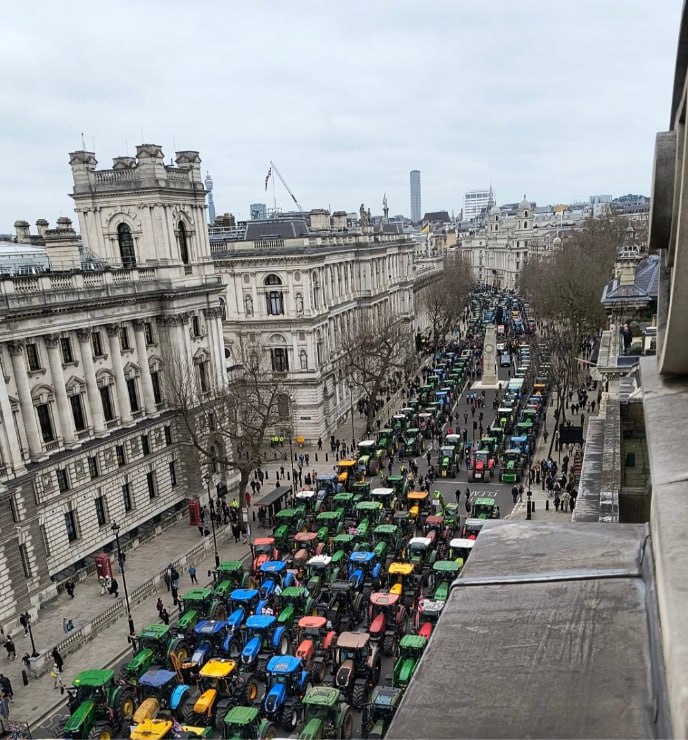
(556,100)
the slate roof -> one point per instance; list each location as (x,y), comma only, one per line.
(644,290)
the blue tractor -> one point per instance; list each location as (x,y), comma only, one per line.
(209,636)
(286,683)
(263,638)
(365,572)
(243,602)
(274,573)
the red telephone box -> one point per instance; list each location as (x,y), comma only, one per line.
(103,565)
(195,512)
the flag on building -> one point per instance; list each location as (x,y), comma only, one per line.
(425,229)
(267,177)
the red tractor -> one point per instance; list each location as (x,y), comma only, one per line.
(388,619)
(263,549)
(481,467)
(316,646)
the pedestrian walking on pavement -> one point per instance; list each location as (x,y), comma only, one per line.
(6,686)
(57,658)
(23,620)
(236,531)
(192,574)
(56,675)
(175,596)
(10,647)
(164,616)
(114,587)
(4,705)
(159,605)
(69,586)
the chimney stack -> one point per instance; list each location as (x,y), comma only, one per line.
(41,227)
(22,229)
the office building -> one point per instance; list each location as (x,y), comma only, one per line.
(415,196)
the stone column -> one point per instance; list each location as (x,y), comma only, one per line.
(118,370)
(64,411)
(215,344)
(12,454)
(28,412)
(95,405)
(146,381)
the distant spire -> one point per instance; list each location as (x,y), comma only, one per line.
(211,202)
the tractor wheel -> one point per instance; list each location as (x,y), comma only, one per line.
(388,645)
(360,696)
(223,706)
(290,718)
(101,732)
(373,467)
(358,608)
(249,691)
(181,649)
(219,613)
(269,732)
(319,669)
(345,731)
(187,710)
(284,645)
(377,670)
(124,706)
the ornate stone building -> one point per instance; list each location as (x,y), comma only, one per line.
(295,293)
(86,434)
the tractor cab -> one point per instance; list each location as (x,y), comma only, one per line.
(245,723)
(286,682)
(485,507)
(369,510)
(153,645)
(329,524)
(418,505)
(262,550)
(520,443)
(242,603)
(326,715)
(326,485)
(512,470)
(306,500)
(387,541)
(455,441)
(421,553)
(399,423)
(232,572)
(342,545)
(447,459)
(400,484)
(305,546)
(459,550)
(471,528)
(315,645)
(411,648)
(367,461)
(403,520)
(364,570)
(274,577)
(319,570)
(291,603)
(404,581)
(385,444)
(346,474)
(210,640)
(426,423)
(427,615)
(384,496)
(345,501)
(444,573)
(361,491)
(414,442)
(378,715)
(264,638)
(481,466)
(198,600)
(158,689)
(387,619)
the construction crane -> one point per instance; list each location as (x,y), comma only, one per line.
(284,182)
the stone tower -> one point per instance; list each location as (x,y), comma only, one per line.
(143,211)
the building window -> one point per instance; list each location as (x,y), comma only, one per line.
(124,338)
(106,399)
(93,467)
(148,333)
(168,435)
(125,241)
(14,509)
(46,542)
(173,473)
(280,362)
(275,298)
(78,413)
(126,496)
(203,376)
(97,344)
(101,510)
(67,355)
(62,479)
(26,563)
(157,392)
(133,394)
(32,357)
(70,523)
(45,422)
(211,421)
(145,444)
(183,243)
(121,457)
(150,480)
(195,326)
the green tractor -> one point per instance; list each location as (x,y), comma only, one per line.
(444,573)
(367,462)
(410,650)
(154,645)
(98,706)
(414,442)
(377,716)
(447,460)
(294,602)
(197,600)
(361,491)
(245,723)
(229,576)
(326,715)
(385,445)
(401,485)
(512,466)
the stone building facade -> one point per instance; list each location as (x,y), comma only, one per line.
(86,434)
(296,297)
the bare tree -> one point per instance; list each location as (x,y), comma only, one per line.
(377,350)
(446,300)
(230,421)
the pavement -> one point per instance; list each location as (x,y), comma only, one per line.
(100,621)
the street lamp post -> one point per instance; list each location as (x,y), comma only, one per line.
(34,652)
(351,398)
(120,560)
(211,505)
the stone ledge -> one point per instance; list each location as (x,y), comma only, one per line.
(665,405)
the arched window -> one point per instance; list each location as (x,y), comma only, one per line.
(223,309)
(274,298)
(183,242)
(125,240)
